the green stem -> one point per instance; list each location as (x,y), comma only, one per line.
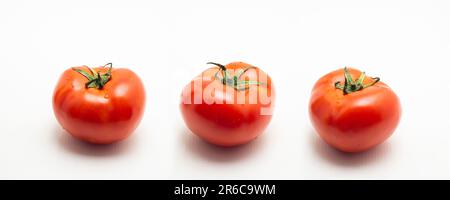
(351,86)
(95,78)
(234,81)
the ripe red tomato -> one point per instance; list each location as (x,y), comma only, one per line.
(353,115)
(228,105)
(101,105)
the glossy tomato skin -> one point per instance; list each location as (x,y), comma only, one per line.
(227,124)
(99,116)
(357,121)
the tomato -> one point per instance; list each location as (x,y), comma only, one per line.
(100,105)
(228,105)
(353,115)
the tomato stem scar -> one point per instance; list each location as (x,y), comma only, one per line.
(351,86)
(234,81)
(96,79)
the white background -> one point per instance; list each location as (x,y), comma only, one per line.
(406,43)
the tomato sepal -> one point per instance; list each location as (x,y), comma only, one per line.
(234,81)
(96,79)
(351,86)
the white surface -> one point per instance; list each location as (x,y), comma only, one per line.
(406,43)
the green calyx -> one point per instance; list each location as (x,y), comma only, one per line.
(351,86)
(96,79)
(234,80)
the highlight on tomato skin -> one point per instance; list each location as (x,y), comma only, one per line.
(352,112)
(101,105)
(228,105)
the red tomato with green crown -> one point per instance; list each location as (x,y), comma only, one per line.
(99,105)
(228,105)
(353,114)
